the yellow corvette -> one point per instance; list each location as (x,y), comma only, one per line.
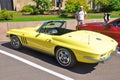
(68,46)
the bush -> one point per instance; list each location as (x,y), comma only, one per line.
(72,6)
(91,11)
(35,10)
(28,8)
(5,15)
(31,9)
(63,14)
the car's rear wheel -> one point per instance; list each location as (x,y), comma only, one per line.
(15,42)
(65,57)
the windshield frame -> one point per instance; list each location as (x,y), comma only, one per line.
(42,27)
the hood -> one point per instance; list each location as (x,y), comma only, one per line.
(97,41)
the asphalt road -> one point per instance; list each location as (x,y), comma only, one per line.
(27,64)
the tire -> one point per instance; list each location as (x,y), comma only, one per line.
(15,42)
(65,57)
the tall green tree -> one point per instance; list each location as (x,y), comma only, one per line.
(105,2)
(115,4)
(106,5)
(98,3)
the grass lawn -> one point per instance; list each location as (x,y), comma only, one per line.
(18,17)
(38,18)
(100,15)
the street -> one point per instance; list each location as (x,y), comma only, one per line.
(27,64)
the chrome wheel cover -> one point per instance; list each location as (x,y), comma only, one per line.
(15,42)
(63,57)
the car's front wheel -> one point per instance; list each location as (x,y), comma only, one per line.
(15,42)
(65,57)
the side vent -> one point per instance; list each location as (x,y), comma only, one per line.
(23,40)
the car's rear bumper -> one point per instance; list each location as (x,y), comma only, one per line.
(97,60)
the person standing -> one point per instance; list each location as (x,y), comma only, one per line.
(80,16)
(106,17)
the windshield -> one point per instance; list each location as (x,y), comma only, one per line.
(52,25)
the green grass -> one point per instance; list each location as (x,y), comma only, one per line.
(18,17)
(100,15)
(38,18)
(95,15)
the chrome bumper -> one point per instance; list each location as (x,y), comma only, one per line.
(97,61)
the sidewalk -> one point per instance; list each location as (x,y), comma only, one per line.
(5,26)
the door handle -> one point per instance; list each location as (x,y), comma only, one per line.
(48,40)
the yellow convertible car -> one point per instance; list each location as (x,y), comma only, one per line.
(68,46)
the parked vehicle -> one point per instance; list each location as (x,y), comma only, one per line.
(68,46)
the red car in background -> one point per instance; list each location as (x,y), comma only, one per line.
(111,29)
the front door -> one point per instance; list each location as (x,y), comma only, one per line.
(6,4)
(40,41)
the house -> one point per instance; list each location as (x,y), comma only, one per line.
(14,4)
(17,5)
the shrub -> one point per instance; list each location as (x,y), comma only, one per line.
(42,6)
(35,10)
(5,15)
(91,11)
(72,6)
(63,14)
(31,9)
(28,8)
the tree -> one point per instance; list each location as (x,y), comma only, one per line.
(72,6)
(105,2)
(110,6)
(98,3)
(106,5)
(115,4)
(43,5)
